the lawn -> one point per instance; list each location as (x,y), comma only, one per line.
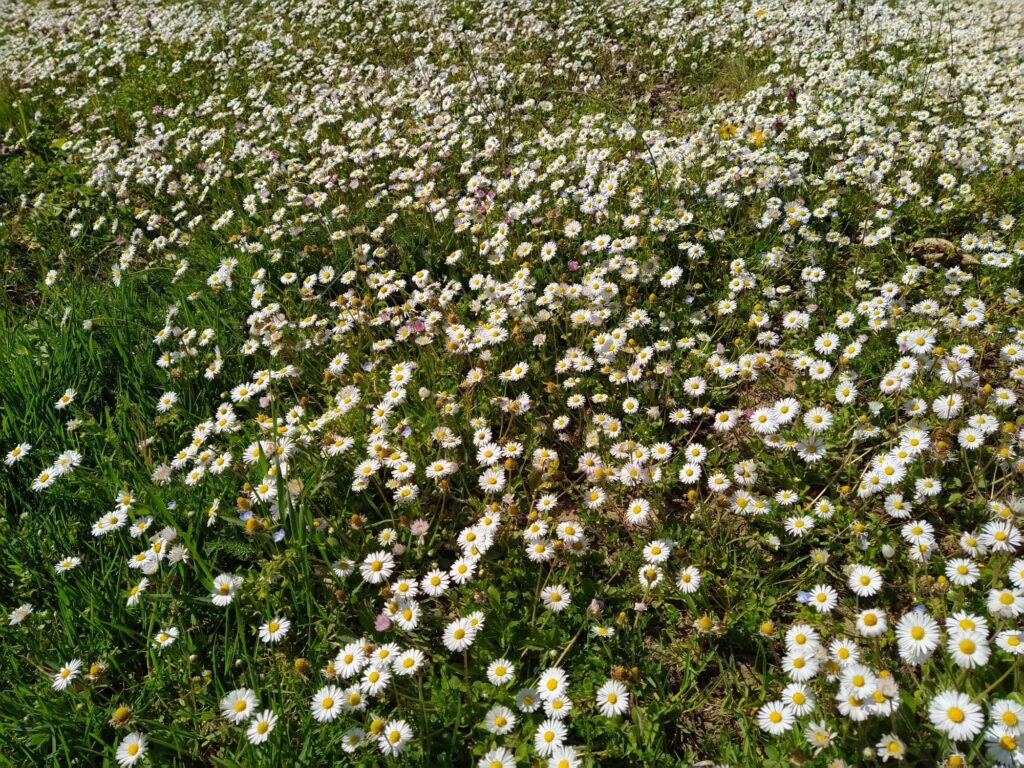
(503,383)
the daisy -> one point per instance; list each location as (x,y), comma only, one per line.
(408,662)
(66,674)
(458,635)
(798,698)
(802,637)
(435,583)
(844,651)
(65,400)
(131,749)
(375,681)
(166,402)
(550,735)
(500,672)
(274,630)
(969,649)
(657,551)
(564,757)
(800,666)
(689,580)
(612,699)
(552,683)
(818,419)
(918,636)
(499,757)
(1016,574)
(67,564)
(135,592)
(1007,714)
(650,576)
(20,613)
(1011,641)
(353,739)
(558,708)
(224,588)
(1004,745)
(775,718)
(383,655)
(17,453)
(499,720)
(864,581)
(859,680)
(261,726)
(528,700)
(637,511)
(350,660)
(871,622)
(326,704)
(165,638)
(394,737)
(799,526)
(238,705)
(962,621)
(352,699)
(962,572)
(890,747)
(377,567)
(954,714)
(819,736)
(823,598)
(406,615)
(1006,603)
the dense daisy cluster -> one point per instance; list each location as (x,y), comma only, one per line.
(511,383)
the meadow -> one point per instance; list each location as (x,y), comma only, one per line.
(497,383)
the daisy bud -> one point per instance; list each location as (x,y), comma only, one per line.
(121,716)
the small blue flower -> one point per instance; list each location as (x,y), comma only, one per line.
(279,534)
